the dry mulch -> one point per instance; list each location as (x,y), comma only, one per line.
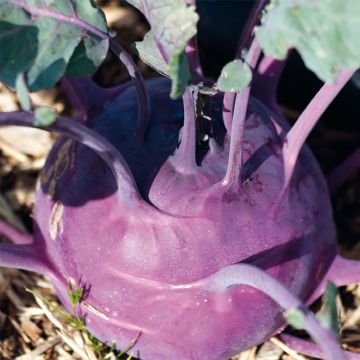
(31,328)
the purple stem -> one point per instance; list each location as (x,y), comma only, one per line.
(228,110)
(229,98)
(117,49)
(233,172)
(245,274)
(192,51)
(13,234)
(143,96)
(23,257)
(254,18)
(265,81)
(342,272)
(76,130)
(185,157)
(308,348)
(297,135)
(85,95)
(192,54)
(344,171)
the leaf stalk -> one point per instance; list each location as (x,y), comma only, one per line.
(297,135)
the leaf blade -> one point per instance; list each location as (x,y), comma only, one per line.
(44,116)
(234,77)
(46,36)
(173,24)
(324,32)
(22,92)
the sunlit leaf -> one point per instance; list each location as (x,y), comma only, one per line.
(324,32)
(173,24)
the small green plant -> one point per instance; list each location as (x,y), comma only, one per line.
(75,295)
(76,321)
(73,320)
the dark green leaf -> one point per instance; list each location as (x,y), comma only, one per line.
(234,77)
(87,57)
(44,116)
(179,72)
(325,33)
(38,38)
(15,56)
(328,316)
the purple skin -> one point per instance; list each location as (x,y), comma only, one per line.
(168,288)
(192,250)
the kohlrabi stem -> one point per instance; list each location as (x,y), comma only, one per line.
(75,130)
(185,156)
(13,234)
(192,54)
(116,48)
(143,97)
(297,135)
(85,95)
(23,257)
(342,272)
(192,51)
(245,274)
(342,172)
(233,172)
(228,110)
(245,39)
(308,348)
(265,81)
(247,34)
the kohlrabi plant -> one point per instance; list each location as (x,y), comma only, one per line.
(191,212)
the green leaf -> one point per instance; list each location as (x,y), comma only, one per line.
(329,313)
(87,57)
(39,38)
(295,318)
(234,77)
(324,32)
(91,52)
(44,116)
(19,47)
(22,92)
(150,54)
(173,24)
(179,71)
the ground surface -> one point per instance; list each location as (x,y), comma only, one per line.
(31,329)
